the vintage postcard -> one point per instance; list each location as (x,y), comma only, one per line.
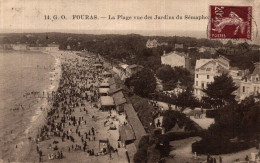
(130,81)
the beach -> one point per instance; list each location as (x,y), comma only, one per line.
(76,129)
(25,75)
(62,119)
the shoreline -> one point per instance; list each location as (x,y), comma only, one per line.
(38,119)
(75,126)
(66,123)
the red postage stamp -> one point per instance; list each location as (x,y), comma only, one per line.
(230,22)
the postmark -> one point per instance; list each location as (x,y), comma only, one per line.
(230,22)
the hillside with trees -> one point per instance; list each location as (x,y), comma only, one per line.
(131,48)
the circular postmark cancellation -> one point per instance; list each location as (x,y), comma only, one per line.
(233,23)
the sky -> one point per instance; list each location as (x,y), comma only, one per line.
(18,16)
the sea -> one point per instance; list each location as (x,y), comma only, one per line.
(21,111)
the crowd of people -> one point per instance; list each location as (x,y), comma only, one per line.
(78,85)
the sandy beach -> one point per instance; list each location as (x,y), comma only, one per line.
(20,107)
(72,127)
(39,118)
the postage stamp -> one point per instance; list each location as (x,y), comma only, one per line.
(230,22)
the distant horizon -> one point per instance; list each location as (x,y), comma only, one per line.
(185,33)
(149,33)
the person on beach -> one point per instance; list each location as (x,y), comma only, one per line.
(220,159)
(67,101)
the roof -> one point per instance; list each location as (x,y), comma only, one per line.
(135,122)
(124,66)
(113,86)
(152,41)
(126,132)
(119,98)
(112,91)
(201,62)
(222,69)
(234,68)
(107,73)
(97,65)
(118,95)
(257,69)
(103,90)
(111,81)
(106,100)
(225,58)
(175,53)
(119,101)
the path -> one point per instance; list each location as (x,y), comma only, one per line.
(183,152)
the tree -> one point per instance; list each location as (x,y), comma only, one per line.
(171,117)
(186,99)
(170,85)
(170,76)
(169,120)
(143,82)
(165,73)
(220,92)
(6,40)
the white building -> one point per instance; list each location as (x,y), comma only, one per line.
(250,84)
(133,69)
(206,70)
(152,43)
(206,49)
(176,59)
(120,70)
(125,71)
(20,47)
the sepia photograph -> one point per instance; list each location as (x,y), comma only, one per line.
(130,81)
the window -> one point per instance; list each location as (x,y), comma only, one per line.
(256,79)
(202,85)
(244,89)
(207,76)
(197,75)
(196,83)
